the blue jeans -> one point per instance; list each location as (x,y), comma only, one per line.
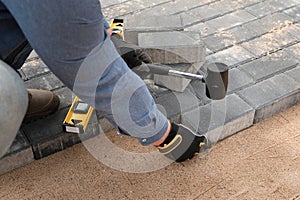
(69,36)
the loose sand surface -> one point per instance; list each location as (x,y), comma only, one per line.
(261,162)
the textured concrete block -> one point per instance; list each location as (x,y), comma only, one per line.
(294,50)
(294,13)
(34,68)
(33,55)
(136,24)
(237,80)
(268,23)
(20,143)
(226,6)
(269,6)
(188,19)
(231,20)
(174,7)
(269,42)
(205,12)
(220,119)
(47,137)
(19,154)
(294,73)
(202,28)
(271,96)
(177,84)
(45,129)
(269,65)
(231,56)
(16,160)
(45,82)
(173,104)
(173,47)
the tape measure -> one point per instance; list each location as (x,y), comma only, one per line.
(80,113)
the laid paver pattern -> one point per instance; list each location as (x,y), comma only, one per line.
(258,39)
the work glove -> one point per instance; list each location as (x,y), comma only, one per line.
(182,143)
(132,54)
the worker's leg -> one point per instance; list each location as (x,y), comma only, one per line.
(14,99)
(69,36)
(14,48)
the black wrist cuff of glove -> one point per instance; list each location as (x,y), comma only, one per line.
(181,144)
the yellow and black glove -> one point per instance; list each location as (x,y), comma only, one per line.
(182,143)
(132,54)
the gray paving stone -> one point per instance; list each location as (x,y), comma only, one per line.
(19,154)
(294,73)
(46,82)
(236,35)
(230,20)
(188,48)
(220,119)
(45,129)
(271,96)
(175,7)
(226,6)
(20,143)
(34,68)
(173,47)
(237,80)
(231,56)
(267,66)
(173,104)
(136,24)
(119,10)
(16,160)
(223,39)
(294,13)
(293,29)
(46,135)
(294,50)
(201,28)
(105,4)
(270,6)
(270,42)
(204,13)
(188,19)
(33,55)
(268,23)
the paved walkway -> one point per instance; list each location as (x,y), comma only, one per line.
(258,39)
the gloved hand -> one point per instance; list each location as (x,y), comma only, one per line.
(132,54)
(182,143)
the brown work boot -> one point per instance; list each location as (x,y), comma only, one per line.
(41,103)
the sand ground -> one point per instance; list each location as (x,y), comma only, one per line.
(261,162)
